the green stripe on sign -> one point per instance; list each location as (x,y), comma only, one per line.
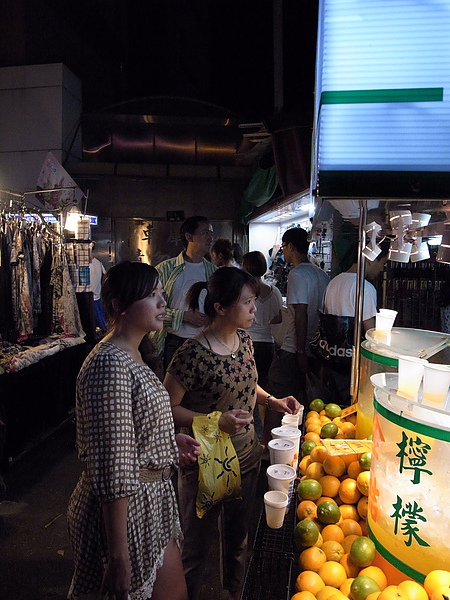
(394,561)
(379,358)
(366,96)
(408,423)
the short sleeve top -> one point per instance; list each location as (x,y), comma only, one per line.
(124,421)
(219,382)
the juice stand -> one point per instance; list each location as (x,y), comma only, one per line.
(381,356)
(408,496)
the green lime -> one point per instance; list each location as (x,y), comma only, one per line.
(306,534)
(365,460)
(307,446)
(362,586)
(328,512)
(362,551)
(333,410)
(329,430)
(316,404)
(309,489)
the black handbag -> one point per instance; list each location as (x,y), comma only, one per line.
(333,341)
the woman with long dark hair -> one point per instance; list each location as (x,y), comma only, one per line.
(215,371)
(123,517)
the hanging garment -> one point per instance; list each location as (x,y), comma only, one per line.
(65,314)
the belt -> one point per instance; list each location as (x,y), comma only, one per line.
(152,475)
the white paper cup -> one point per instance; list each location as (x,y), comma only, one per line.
(410,374)
(389,312)
(281,478)
(289,420)
(282,452)
(436,381)
(289,433)
(275,503)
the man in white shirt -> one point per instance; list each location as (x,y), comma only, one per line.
(340,300)
(305,288)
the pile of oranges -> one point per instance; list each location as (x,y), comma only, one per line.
(335,552)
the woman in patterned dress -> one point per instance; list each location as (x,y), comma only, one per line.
(215,371)
(122,516)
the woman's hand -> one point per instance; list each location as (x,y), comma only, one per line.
(188,448)
(116,579)
(234,420)
(288,405)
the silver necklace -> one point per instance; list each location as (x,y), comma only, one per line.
(231,351)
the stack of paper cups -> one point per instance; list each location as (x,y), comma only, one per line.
(281,478)
(282,452)
(289,433)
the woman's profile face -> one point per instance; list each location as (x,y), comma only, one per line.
(148,313)
(243,313)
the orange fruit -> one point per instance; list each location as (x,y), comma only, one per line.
(325,499)
(313,437)
(348,491)
(312,412)
(363,482)
(354,469)
(334,465)
(309,581)
(414,590)
(324,419)
(365,460)
(332,532)
(333,410)
(303,465)
(319,542)
(332,573)
(305,509)
(348,541)
(349,511)
(373,596)
(349,458)
(326,592)
(317,404)
(338,596)
(346,426)
(312,559)
(303,596)
(377,575)
(362,551)
(309,489)
(328,512)
(306,534)
(350,567)
(333,550)
(363,525)
(315,470)
(345,587)
(362,507)
(350,527)
(391,592)
(328,430)
(435,580)
(307,446)
(330,485)
(362,586)
(350,434)
(319,454)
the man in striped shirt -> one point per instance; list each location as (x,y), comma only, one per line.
(177,275)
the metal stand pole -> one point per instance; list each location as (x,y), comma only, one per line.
(354,385)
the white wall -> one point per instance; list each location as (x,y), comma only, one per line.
(40,108)
(262,237)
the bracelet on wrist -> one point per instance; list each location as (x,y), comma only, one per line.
(266,402)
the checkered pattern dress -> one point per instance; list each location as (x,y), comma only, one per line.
(124,423)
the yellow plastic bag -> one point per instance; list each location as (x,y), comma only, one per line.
(219,474)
